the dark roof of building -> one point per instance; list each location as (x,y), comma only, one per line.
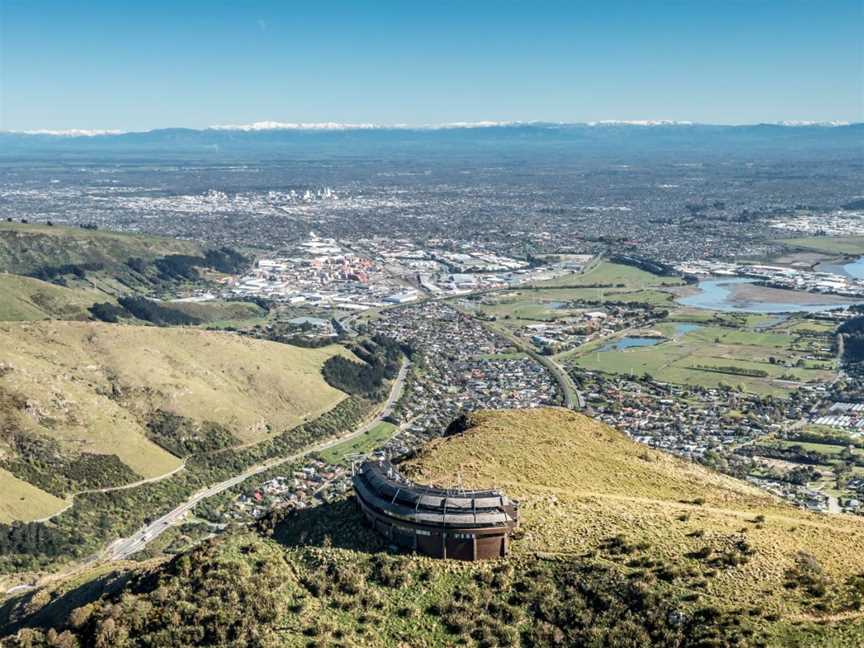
(380,485)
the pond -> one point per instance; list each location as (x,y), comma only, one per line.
(684,328)
(718,294)
(629,342)
(555,304)
(771,322)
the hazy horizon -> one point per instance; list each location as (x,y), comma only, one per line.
(273,125)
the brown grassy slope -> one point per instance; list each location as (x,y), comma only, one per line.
(92,386)
(24,298)
(20,500)
(581,482)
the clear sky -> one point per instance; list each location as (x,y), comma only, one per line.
(143,64)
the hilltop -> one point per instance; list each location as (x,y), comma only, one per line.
(110,263)
(26,248)
(618,545)
(581,482)
(89,405)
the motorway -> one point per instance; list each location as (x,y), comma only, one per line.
(572,396)
(125,547)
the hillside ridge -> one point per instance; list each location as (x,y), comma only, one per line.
(121,403)
(617,543)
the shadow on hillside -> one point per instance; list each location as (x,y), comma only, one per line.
(335,524)
(23,611)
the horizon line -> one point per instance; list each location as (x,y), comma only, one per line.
(264,126)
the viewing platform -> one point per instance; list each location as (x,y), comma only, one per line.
(442,523)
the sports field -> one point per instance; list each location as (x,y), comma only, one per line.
(363,444)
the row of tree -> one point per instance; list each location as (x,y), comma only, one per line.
(142,308)
(381,358)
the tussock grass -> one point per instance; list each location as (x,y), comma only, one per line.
(22,501)
(25,299)
(92,387)
(581,483)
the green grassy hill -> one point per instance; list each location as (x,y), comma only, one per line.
(89,405)
(26,248)
(112,263)
(24,299)
(619,545)
(216,312)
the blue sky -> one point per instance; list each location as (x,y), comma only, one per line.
(148,64)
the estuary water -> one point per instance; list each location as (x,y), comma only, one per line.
(717,294)
(853,269)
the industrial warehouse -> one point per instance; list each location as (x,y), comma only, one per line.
(442,523)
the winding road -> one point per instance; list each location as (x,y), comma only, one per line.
(572,396)
(124,547)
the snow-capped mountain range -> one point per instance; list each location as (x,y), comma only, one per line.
(343,126)
(488,139)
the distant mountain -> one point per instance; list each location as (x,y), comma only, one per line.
(478,138)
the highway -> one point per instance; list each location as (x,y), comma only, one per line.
(572,396)
(124,547)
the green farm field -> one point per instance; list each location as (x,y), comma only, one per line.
(550,300)
(830,450)
(701,356)
(848,245)
(606,273)
(528,306)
